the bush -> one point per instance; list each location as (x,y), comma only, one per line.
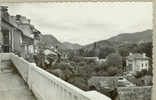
(142,73)
(77,59)
(82,63)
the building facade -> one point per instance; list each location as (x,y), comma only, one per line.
(16,34)
(137,62)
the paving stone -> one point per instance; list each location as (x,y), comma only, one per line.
(13,87)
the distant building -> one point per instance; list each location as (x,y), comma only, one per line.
(137,62)
(101,61)
(16,34)
(49,52)
(91,59)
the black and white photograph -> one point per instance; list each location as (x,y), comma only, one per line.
(76,51)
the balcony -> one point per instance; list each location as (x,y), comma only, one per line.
(43,85)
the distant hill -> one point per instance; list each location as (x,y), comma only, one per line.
(113,42)
(144,36)
(137,37)
(50,40)
(100,44)
(104,47)
(71,45)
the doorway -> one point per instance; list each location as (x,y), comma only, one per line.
(5,46)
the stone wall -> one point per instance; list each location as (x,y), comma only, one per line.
(135,93)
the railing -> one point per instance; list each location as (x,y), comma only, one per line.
(46,86)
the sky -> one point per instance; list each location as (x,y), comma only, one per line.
(84,23)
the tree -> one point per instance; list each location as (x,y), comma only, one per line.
(91,53)
(123,51)
(81,52)
(114,64)
(145,48)
(136,48)
(105,51)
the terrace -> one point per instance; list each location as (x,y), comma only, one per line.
(30,82)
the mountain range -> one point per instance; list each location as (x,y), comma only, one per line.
(137,37)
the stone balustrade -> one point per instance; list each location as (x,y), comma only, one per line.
(46,86)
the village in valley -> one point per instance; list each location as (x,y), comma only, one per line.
(116,67)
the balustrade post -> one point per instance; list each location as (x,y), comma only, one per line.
(0,62)
(29,78)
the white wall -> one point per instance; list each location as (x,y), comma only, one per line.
(137,64)
(46,86)
(21,65)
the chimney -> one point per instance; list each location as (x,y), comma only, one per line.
(18,18)
(28,21)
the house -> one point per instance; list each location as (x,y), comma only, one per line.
(49,52)
(137,62)
(37,35)
(30,35)
(16,34)
(7,31)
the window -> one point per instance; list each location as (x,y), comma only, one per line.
(142,65)
(30,48)
(20,39)
(130,67)
(18,17)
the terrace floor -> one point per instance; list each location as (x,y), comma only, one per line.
(13,87)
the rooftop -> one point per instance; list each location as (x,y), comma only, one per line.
(137,56)
(20,22)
